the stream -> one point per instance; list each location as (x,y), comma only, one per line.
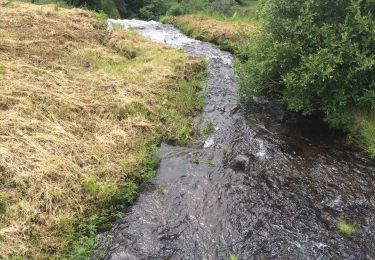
(264,184)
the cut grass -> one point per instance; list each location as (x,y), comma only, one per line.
(228,35)
(83,110)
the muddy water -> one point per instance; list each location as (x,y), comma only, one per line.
(264,184)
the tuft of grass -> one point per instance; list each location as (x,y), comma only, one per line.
(3,206)
(83,110)
(232,257)
(2,70)
(197,161)
(207,126)
(362,132)
(346,228)
(102,17)
(130,109)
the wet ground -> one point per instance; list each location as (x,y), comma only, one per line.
(263,184)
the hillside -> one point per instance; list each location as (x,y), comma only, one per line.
(81,110)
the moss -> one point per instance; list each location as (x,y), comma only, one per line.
(232,257)
(345,228)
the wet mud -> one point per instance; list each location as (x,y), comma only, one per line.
(263,184)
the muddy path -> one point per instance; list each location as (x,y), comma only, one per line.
(264,184)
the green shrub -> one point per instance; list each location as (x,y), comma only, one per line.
(192,6)
(153,9)
(175,10)
(317,56)
(58,3)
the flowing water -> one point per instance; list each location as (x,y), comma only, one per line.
(264,184)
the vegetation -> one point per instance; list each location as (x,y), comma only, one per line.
(318,58)
(207,126)
(228,35)
(153,9)
(83,110)
(345,227)
(232,257)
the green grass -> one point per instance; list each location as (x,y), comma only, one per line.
(197,161)
(186,99)
(246,12)
(232,257)
(362,131)
(130,109)
(249,9)
(367,132)
(78,236)
(3,206)
(2,70)
(3,34)
(230,34)
(207,126)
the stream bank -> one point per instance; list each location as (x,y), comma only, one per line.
(261,184)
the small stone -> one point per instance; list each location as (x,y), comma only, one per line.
(240,162)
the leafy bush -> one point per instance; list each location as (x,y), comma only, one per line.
(192,6)
(153,9)
(175,10)
(317,56)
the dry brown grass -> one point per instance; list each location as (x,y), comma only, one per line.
(63,80)
(227,34)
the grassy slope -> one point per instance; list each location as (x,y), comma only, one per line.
(81,110)
(228,35)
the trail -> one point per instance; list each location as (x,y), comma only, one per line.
(263,184)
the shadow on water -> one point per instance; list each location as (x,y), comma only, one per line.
(265,183)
